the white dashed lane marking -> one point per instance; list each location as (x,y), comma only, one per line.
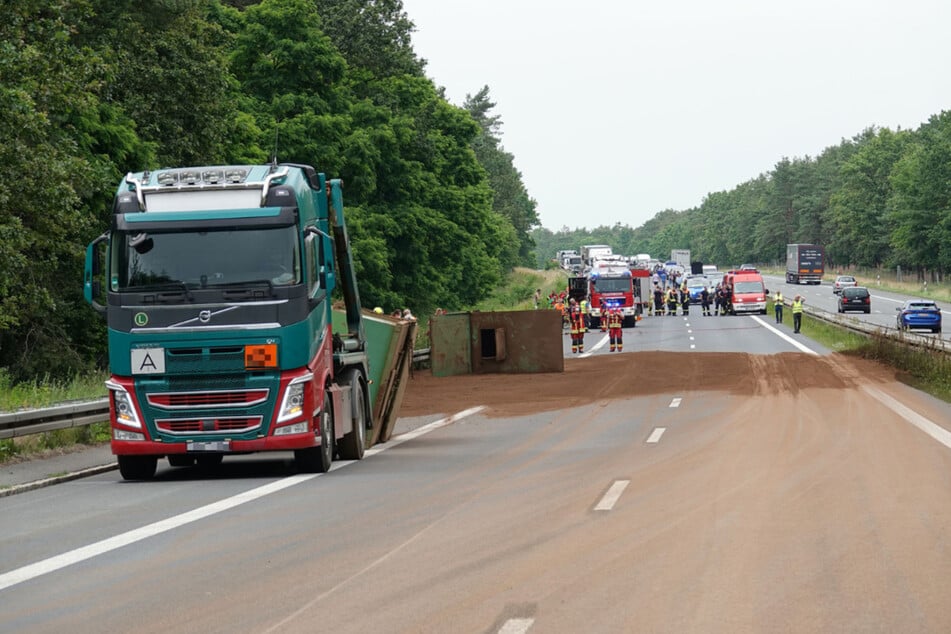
(611,497)
(656,434)
(516,626)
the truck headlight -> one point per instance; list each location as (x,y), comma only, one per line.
(123,406)
(293,404)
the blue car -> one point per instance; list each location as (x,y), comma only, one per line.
(919,313)
(695,284)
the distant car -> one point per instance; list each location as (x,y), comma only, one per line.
(748,267)
(855,298)
(919,313)
(843,281)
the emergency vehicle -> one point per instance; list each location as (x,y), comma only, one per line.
(611,284)
(749,292)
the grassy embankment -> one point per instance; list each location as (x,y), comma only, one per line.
(518,289)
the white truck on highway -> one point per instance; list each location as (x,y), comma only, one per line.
(592,252)
(681,257)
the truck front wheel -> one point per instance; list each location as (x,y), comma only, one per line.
(353,444)
(318,459)
(137,467)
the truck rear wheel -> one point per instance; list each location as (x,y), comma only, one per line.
(137,467)
(353,444)
(318,459)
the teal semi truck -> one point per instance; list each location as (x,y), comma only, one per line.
(216,284)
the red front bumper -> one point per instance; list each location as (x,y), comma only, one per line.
(270,443)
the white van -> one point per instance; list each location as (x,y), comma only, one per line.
(710,269)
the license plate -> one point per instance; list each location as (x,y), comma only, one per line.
(215,445)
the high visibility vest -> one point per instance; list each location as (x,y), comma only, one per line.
(797,306)
(778,298)
(584,307)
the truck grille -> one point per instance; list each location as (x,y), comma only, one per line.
(183,426)
(216,399)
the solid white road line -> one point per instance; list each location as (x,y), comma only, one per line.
(656,434)
(675,402)
(783,335)
(934,430)
(516,626)
(611,497)
(58,562)
(421,431)
(113,543)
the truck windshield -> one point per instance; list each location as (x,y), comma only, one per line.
(612,285)
(205,259)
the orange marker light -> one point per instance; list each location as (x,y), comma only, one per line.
(260,357)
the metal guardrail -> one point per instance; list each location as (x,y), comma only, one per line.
(37,421)
(843,320)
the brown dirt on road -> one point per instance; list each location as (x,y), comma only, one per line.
(637,374)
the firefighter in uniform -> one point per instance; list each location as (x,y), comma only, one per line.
(577,327)
(658,300)
(705,301)
(605,309)
(584,314)
(671,301)
(722,301)
(615,323)
(685,300)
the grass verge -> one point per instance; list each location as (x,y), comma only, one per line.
(45,393)
(517,292)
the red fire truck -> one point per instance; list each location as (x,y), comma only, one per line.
(611,284)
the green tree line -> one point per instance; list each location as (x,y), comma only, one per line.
(879,199)
(93,89)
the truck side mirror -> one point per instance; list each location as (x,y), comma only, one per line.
(92,286)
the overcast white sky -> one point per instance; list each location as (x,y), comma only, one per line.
(617,109)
